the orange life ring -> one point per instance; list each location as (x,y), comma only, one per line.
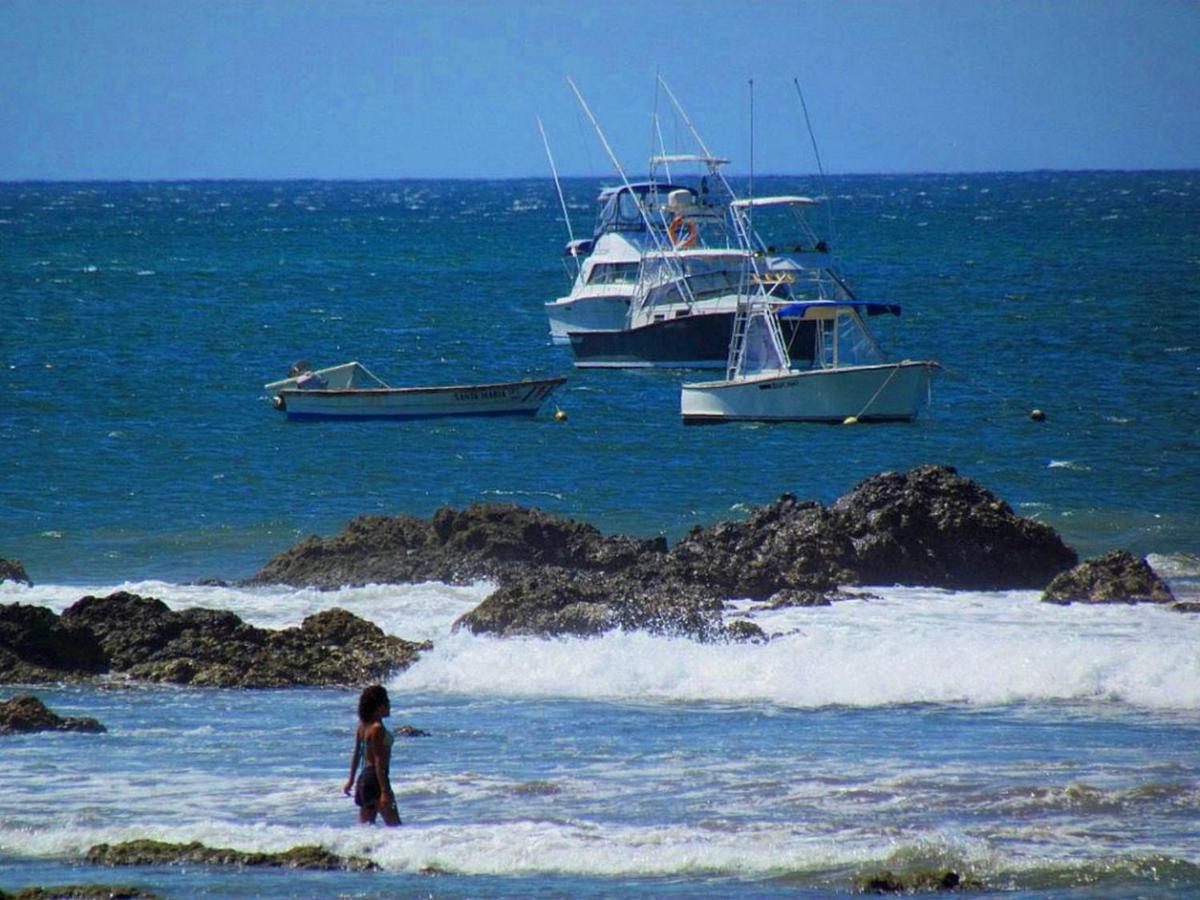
(693,232)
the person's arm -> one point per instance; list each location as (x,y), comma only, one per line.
(353,763)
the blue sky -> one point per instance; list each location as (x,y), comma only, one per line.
(154,89)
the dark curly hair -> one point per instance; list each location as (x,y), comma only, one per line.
(372,698)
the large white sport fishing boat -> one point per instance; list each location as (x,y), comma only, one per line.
(634,220)
(658,282)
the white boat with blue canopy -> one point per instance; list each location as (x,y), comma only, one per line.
(811,359)
(352,391)
(839,375)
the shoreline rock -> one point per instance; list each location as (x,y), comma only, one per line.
(485,540)
(147,852)
(929,526)
(25,714)
(12,570)
(141,638)
(81,892)
(1116,577)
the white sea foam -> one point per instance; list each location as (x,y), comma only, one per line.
(412,611)
(1176,565)
(1067,464)
(500,848)
(908,646)
(912,646)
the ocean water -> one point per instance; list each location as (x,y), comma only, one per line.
(1045,751)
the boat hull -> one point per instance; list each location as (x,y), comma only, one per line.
(515,398)
(586,313)
(697,341)
(880,393)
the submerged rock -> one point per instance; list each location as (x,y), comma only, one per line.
(160,853)
(917,881)
(26,713)
(140,637)
(1115,577)
(81,892)
(12,570)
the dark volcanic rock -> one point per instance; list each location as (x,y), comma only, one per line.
(790,597)
(27,713)
(12,570)
(140,637)
(1115,577)
(930,526)
(144,639)
(554,602)
(160,853)
(455,546)
(787,544)
(917,881)
(35,646)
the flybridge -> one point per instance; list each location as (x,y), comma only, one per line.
(667,159)
(758,202)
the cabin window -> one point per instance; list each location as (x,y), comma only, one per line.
(614,273)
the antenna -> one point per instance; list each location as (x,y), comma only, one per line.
(817,153)
(673,260)
(561,200)
(751,210)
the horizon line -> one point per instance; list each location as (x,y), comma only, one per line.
(189,179)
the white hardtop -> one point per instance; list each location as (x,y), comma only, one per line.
(668,159)
(698,252)
(785,200)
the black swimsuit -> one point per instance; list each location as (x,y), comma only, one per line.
(367,789)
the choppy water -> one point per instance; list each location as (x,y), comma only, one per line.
(1044,750)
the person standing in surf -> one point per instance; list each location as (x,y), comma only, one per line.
(373,749)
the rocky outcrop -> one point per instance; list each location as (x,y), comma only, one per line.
(1115,577)
(929,526)
(12,570)
(932,527)
(26,713)
(555,601)
(140,637)
(787,544)
(160,853)
(36,647)
(456,546)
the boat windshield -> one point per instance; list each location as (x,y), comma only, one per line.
(761,352)
(621,209)
(845,340)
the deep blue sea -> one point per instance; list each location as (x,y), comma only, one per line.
(1046,751)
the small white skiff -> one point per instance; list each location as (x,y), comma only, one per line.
(352,391)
